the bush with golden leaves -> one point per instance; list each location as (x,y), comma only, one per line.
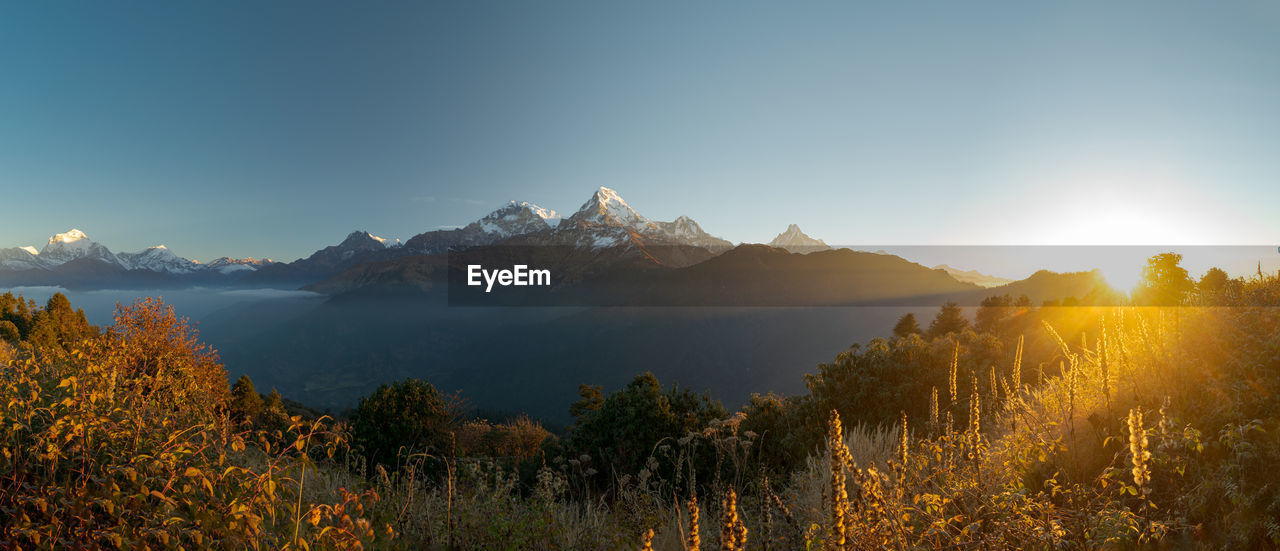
(123,441)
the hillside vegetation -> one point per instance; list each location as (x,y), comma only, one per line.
(1145,425)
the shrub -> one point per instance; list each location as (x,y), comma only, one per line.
(401,419)
(122,441)
(626,427)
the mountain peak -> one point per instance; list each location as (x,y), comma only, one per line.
(686,231)
(74,245)
(517,218)
(30,249)
(361,239)
(551,217)
(795,241)
(69,237)
(157,259)
(228,265)
(607,208)
(607,194)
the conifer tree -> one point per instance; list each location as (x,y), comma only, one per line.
(907,325)
(950,319)
(246,403)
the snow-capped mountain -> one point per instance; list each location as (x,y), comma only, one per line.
(796,241)
(228,265)
(21,258)
(606,220)
(514,219)
(517,218)
(74,245)
(75,251)
(158,259)
(606,208)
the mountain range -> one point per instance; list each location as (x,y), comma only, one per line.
(604,221)
(605,253)
(75,246)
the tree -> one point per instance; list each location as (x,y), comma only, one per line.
(1213,287)
(160,355)
(246,403)
(1164,282)
(58,324)
(9,332)
(274,414)
(408,414)
(625,428)
(906,325)
(950,319)
(14,310)
(993,313)
(591,399)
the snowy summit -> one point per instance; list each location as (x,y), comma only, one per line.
(606,208)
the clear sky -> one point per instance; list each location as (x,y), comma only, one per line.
(275,128)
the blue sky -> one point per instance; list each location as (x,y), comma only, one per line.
(275,128)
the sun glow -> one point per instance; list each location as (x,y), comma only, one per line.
(1123,275)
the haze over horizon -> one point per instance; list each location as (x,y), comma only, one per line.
(272,130)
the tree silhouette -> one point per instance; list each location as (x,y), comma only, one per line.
(246,403)
(993,313)
(950,319)
(1164,282)
(1213,286)
(906,325)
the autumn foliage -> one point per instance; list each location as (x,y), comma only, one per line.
(122,439)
